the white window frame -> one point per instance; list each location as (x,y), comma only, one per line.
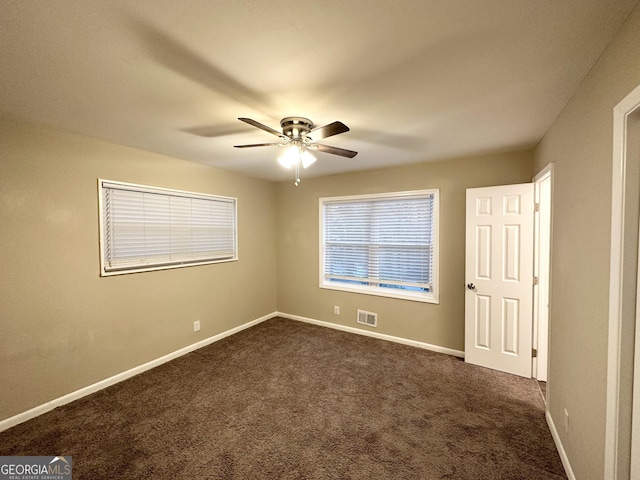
(106,270)
(426,297)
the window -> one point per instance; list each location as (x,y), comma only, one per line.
(147,228)
(383,244)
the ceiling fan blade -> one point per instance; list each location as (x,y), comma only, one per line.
(263,127)
(334,150)
(328,130)
(258,145)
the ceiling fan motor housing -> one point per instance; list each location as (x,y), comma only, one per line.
(296,127)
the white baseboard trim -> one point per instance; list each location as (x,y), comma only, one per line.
(70,397)
(563,455)
(380,336)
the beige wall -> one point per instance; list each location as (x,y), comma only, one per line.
(580,145)
(62,327)
(298,239)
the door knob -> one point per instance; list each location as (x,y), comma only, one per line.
(471,286)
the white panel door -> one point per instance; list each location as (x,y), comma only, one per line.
(499,277)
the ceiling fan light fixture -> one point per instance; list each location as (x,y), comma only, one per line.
(306,158)
(290,157)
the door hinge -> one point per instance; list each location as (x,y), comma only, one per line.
(534,352)
(536,207)
(535,280)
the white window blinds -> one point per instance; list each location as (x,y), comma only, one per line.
(147,228)
(380,243)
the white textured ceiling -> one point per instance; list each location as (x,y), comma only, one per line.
(415,80)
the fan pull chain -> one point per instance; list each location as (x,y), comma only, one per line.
(297,182)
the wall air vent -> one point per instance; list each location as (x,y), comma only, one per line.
(367,318)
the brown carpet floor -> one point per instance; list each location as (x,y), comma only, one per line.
(288,400)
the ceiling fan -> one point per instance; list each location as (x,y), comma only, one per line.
(300,135)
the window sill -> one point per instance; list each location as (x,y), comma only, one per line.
(384,292)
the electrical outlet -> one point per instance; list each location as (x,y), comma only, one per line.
(196,326)
(566,422)
(336,310)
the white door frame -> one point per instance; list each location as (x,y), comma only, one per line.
(622,294)
(542,252)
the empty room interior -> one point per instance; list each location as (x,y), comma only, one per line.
(362,239)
